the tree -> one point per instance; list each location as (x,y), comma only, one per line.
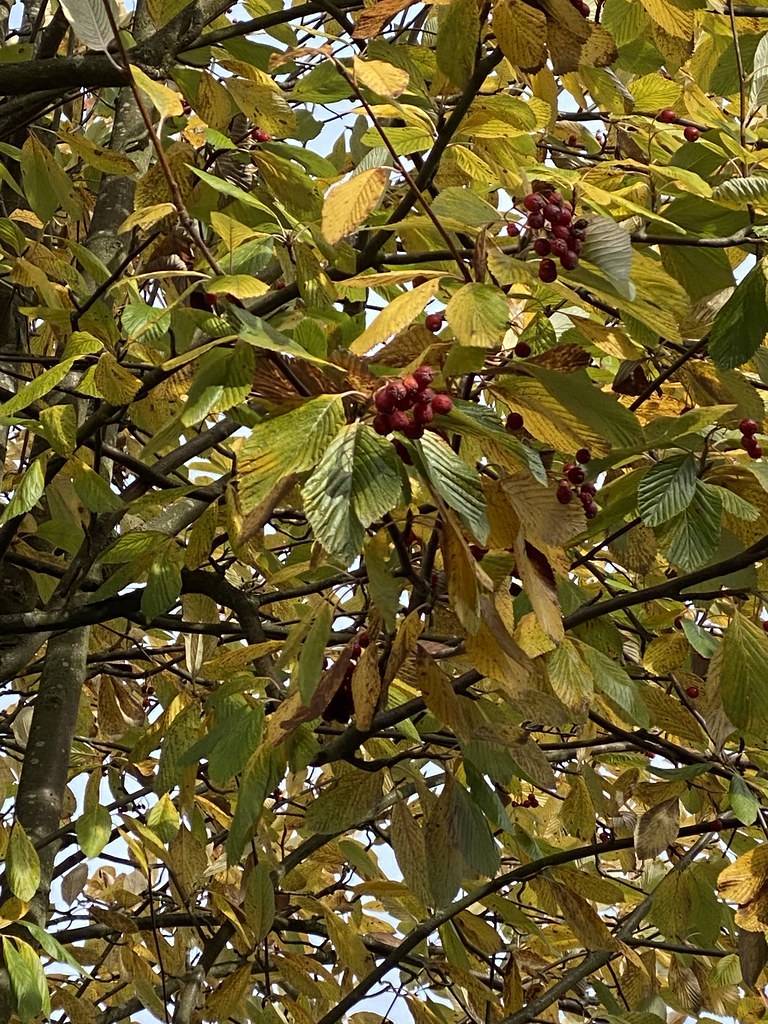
(383,533)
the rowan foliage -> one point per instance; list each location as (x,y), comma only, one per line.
(384,516)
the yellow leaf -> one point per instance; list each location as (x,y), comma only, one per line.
(521,32)
(394,317)
(240,286)
(167,102)
(366,687)
(741,881)
(116,384)
(677,21)
(348,204)
(146,217)
(382,78)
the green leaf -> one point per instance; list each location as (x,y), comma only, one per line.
(93,490)
(743,663)
(163,583)
(742,323)
(60,425)
(29,393)
(739,192)
(93,830)
(612,680)
(478,314)
(609,248)
(456,483)
(356,482)
(457,38)
(259,901)
(46,185)
(758,88)
(695,533)
(228,189)
(312,657)
(345,803)
(286,444)
(260,776)
(28,492)
(53,947)
(28,982)
(666,489)
(164,819)
(743,801)
(261,334)
(22,864)
(475,840)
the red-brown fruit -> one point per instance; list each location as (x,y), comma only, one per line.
(532,800)
(384,400)
(749,426)
(692,692)
(564,217)
(423,375)
(414,431)
(591,510)
(548,271)
(667,116)
(513,230)
(418,280)
(522,349)
(562,231)
(423,414)
(575,474)
(425,397)
(588,488)
(691,133)
(434,321)
(399,393)
(552,212)
(583,456)
(756,452)
(564,494)
(410,384)
(764,624)
(442,404)
(559,247)
(535,221)
(569,260)
(533,202)
(381,424)
(515,421)
(542,247)
(259,135)
(398,420)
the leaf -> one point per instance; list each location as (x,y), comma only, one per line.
(457,37)
(347,205)
(695,533)
(347,802)
(259,901)
(582,919)
(478,314)
(28,981)
(312,657)
(90,22)
(577,812)
(167,102)
(753,955)
(521,32)
(93,490)
(608,246)
(163,583)
(22,864)
(657,829)
(238,286)
(356,482)
(366,687)
(744,804)
(397,315)
(408,844)
(457,484)
(666,489)
(53,947)
(260,776)
(381,78)
(93,830)
(744,675)
(117,385)
(742,323)
(27,493)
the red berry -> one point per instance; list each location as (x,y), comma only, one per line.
(533,202)
(569,260)
(434,321)
(583,456)
(423,375)
(691,133)
(399,394)
(414,431)
(559,247)
(418,280)
(588,488)
(552,212)
(442,404)
(532,800)
(522,349)
(561,231)
(564,217)
(384,400)
(572,140)
(584,9)
(477,552)
(423,414)
(410,384)
(748,441)
(513,230)
(547,271)
(259,135)
(581,224)
(764,624)
(564,494)
(667,116)
(692,692)
(535,221)
(398,420)
(357,649)
(364,639)
(749,427)
(591,510)
(575,474)
(425,397)
(381,424)
(542,247)
(756,452)
(515,421)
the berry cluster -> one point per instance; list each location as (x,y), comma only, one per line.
(574,485)
(749,442)
(341,704)
(563,237)
(668,116)
(409,404)
(530,801)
